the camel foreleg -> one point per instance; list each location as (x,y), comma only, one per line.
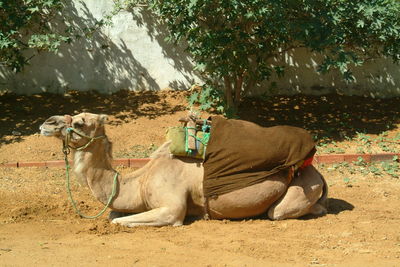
(117,214)
(156,217)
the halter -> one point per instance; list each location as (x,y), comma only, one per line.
(70,130)
(66,150)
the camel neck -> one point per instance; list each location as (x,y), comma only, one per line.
(93,167)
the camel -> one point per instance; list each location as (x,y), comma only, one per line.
(169,188)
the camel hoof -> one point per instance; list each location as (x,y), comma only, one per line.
(122,223)
(115,221)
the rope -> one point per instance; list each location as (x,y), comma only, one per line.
(187,139)
(66,151)
(203,140)
(91,139)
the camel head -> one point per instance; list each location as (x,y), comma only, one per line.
(80,127)
(53,126)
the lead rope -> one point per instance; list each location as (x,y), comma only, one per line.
(66,151)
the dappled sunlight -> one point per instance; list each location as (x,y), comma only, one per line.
(332,116)
(24,114)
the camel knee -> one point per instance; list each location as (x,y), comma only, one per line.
(173,217)
(299,200)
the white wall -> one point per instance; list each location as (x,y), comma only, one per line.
(128,55)
(133,55)
(377,78)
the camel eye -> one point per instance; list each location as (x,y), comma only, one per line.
(78,124)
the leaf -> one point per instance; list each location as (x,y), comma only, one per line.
(192,3)
(33,9)
(220,108)
(193,98)
(249,14)
(200,67)
(190,7)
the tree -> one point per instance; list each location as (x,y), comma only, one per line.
(31,26)
(25,27)
(233,40)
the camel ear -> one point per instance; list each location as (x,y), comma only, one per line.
(103,118)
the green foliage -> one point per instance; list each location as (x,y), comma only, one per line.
(206,97)
(360,166)
(330,148)
(25,26)
(365,144)
(235,41)
(391,168)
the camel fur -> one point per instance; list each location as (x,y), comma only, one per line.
(167,188)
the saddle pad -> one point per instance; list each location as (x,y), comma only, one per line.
(241,153)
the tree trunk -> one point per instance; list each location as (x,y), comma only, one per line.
(228,92)
(233,92)
(238,91)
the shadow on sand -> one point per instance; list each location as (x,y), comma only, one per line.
(331,116)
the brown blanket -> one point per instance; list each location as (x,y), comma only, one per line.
(241,153)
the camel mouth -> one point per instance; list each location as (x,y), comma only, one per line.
(45,132)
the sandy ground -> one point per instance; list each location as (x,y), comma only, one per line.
(39,228)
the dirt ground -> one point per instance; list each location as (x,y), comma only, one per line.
(39,228)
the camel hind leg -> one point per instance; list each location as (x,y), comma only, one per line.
(306,195)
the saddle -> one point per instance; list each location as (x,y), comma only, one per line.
(191,138)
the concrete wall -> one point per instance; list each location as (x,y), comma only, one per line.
(130,55)
(377,78)
(133,55)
